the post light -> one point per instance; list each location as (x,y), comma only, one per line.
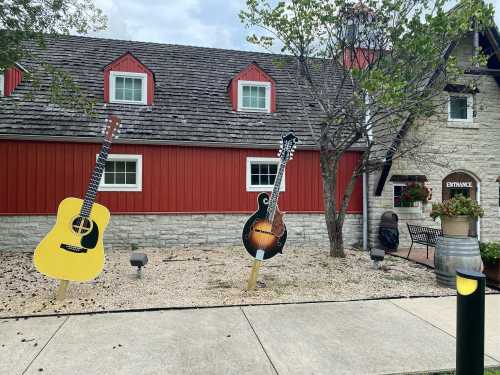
(470,322)
(138,260)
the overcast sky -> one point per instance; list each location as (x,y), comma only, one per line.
(209,23)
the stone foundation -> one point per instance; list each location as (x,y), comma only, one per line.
(125,231)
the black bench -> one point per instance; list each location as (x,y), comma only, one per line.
(424,236)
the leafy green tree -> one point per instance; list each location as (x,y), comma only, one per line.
(369,67)
(25,22)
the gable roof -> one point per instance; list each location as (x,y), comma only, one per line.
(127,53)
(192,104)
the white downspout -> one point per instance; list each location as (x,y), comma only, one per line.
(365,182)
(365,211)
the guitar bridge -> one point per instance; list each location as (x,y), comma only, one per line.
(73,249)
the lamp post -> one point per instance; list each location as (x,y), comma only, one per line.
(470,322)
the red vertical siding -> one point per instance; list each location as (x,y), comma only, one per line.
(12,77)
(36,176)
(359,59)
(251,73)
(128,63)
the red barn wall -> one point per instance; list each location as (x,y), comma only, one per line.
(12,78)
(251,73)
(36,176)
(128,64)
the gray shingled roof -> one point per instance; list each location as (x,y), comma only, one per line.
(191,102)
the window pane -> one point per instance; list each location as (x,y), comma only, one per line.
(273,168)
(119,178)
(264,179)
(262,92)
(246,102)
(130,166)
(246,91)
(128,83)
(137,84)
(262,102)
(253,101)
(119,94)
(130,178)
(255,179)
(458,107)
(264,168)
(119,82)
(272,178)
(110,166)
(254,168)
(120,166)
(128,94)
(109,178)
(397,196)
(137,95)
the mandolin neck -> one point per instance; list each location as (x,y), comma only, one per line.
(91,193)
(273,201)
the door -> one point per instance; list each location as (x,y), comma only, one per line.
(461,183)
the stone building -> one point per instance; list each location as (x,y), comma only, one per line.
(462,139)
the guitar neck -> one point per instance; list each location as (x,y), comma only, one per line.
(273,201)
(91,193)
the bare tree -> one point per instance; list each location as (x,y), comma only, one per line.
(373,69)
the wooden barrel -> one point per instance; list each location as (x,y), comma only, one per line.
(453,253)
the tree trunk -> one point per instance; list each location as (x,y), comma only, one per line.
(334,222)
(337,241)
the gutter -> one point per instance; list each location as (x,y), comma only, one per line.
(160,142)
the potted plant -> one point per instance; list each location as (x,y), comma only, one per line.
(456,214)
(414,193)
(490,254)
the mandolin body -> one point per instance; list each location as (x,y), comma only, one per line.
(259,233)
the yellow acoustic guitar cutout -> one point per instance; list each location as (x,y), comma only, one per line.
(73,250)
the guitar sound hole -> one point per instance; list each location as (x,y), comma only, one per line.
(81,225)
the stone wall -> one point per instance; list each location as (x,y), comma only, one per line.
(462,147)
(24,232)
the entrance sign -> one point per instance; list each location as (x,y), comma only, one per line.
(454,184)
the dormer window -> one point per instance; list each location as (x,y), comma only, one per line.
(254,96)
(253,90)
(127,80)
(128,88)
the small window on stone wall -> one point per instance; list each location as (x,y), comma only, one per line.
(409,195)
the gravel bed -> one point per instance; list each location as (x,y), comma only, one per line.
(182,277)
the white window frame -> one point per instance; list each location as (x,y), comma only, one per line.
(112,87)
(267,85)
(124,187)
(470,107)
(2,85)
(259,188)
(410,210)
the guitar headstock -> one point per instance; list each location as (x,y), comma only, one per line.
(288,144)
(113,125)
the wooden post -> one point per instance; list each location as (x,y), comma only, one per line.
(252,281)
(61,290)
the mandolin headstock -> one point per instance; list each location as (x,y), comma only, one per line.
(288,144)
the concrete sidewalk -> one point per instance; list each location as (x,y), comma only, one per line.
(366,337)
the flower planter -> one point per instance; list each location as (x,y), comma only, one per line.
(455,226)
(492,271)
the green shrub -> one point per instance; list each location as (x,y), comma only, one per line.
(490,251)
(457,206)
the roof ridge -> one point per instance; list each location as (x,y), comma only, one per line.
(139,42)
